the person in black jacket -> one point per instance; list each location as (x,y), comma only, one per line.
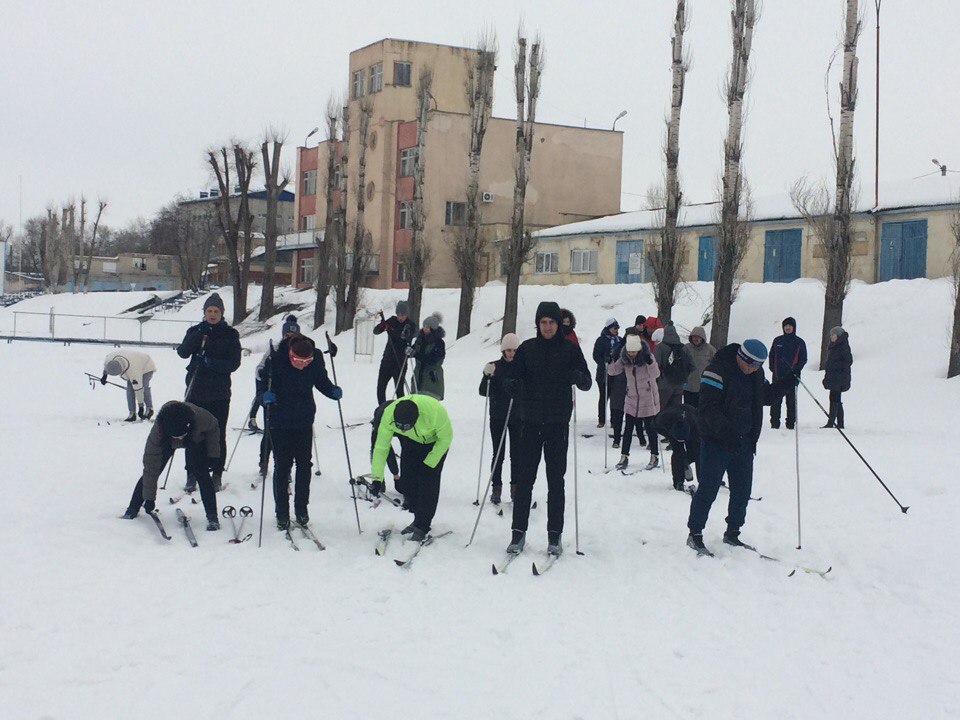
(214,351)
(731,418)
(540,375)
(499,404)
(678,424)
(400,330)
(836,379)
(295,368)
(788,355)
(604,350)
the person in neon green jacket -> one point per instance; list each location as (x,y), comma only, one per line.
(423,427)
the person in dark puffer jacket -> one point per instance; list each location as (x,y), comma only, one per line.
(836,379)
(788,356)
(429,351)
(400,331)
(499,406)
(605,349)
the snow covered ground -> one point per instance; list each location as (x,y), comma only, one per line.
(101,618)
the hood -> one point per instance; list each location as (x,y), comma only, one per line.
(670,336)
(548,309)
(564,313)
(699,332)
(789,321)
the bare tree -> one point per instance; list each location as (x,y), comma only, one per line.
(733,232)
(342,277)
(92,245)
(275,182)
(190,236)
(325,252)
(76,248)
(517,248)
(67,240)
(468,246)
(360,249)
(420,255)
(235,226)
(667,262)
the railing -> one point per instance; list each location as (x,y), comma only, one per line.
(99,328)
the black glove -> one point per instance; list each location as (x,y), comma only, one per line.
(333,350)
(377,487)
(103,379)
(149,505)
(409,352)
(796,379)
(579,377)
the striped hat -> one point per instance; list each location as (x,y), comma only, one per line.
(752,351)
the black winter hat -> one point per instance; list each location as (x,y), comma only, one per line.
(405,414)
(641,319)
(214,300)
(548,309)
(290,325)
(175,419)
(789,321)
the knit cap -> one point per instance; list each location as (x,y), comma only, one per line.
(634,343)
(214,300)
(509,342)
(753,351)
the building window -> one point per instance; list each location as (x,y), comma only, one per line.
(338,176)
(358,84)
(308,222)
(376,78)
(372,264)
(140,264)
(401,73)
(405,215)
(310,182)
(408,158)
(456,213)
(546,262)
(583,261)
(305,275)
(402,271)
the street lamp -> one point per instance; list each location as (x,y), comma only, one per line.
(310,135)
(622,113)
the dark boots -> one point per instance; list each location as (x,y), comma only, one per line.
(835,418)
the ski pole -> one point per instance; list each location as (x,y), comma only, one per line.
(483,439)
(269,439)
(231,512)
(496,459)
(576,504)
(316,455)
(245,512)
(193,378)
(796,439)
(343,431)
(94,379)
(234,451)
(903,508)
(606,411)
(169,468)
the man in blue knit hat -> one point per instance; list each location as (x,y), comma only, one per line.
(731,417)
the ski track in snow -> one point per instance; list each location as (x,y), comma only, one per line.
(102,618)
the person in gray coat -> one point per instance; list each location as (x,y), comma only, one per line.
(701,353)
(675,366)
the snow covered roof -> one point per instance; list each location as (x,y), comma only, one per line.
(293,241)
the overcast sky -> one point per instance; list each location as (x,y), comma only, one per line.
(120,99)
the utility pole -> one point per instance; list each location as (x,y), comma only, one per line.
(876,113)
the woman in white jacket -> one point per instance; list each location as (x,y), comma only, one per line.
(137,369)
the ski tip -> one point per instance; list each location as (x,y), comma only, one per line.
(792,573)
(534,567)
(500,512)
(581,553)
(400,563)
(534,506)
(493,566)
(904,509)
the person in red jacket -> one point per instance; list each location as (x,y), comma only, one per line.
(649,325)
(568,325)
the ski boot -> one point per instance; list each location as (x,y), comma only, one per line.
(554,546)
(213,524)
(148,414)
(283,523)
(132,417)
(616,444)
(622,465)
(414,533)
(303,519)
(732,537)
(654,462)
(495,495)
(130,514)
(695,541)
(141,412)
(517,541)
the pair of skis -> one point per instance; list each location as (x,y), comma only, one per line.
(383,539)
(809,570)
(537,570)
(307,534)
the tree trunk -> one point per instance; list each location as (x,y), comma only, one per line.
(358,256)
(953,369)
(77,249)
(341,249)
(419,255)
(101,205)
(324,252)
(274,186)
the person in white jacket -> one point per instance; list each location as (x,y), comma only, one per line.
(137,369)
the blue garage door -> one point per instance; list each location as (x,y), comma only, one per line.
(630,261)
(781,255)
(707,258)
(903,250)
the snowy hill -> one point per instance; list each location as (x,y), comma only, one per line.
(102,618)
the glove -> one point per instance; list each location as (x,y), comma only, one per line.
(103,379)
(269,397)
(409,351)
(336,393)
(149,505)
(333,349)
(578,377)
(377,487)
(796,379)
(489,369)
(252,424)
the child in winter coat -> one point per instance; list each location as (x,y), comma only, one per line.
(568,325)
(643,398)
(836,379)
(491,385)
(137,369)
(428,351)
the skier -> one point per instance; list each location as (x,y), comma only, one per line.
(541,374)
(603,351)
(731,418)
(675,365)
(568,325)
(788,355)
(836,379)
(400,330)
(679,425)
(294,370)
(499,403)
(429,350)
(180,425)
(643,398)
(214,351)
(425,434)
(137,369)
(701,353)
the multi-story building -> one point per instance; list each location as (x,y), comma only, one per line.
(574,175)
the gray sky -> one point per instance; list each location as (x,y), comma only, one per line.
(120,99)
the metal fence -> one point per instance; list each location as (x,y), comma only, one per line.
(99,328)
(363,339)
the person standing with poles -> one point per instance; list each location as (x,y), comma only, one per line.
(540,375)
(429,351)
(788,355)
(491,387)
(137,369)
(400,330)
(214,351)
(604,349)
(642,402)
(836,379)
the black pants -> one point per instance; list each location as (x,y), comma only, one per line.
(715,460)
(639,424)
(680,459)
(836,408)
(602,400)
(616,420)
(197,468)
(691,398)
(220,409)
(389,372)
(419,483)
(513,430)
(779,391)
(291,445)
(550,442)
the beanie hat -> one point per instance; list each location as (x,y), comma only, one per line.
(509,342)
(175,419)
(752,351)
(634,343)
(433,321)
(405,414)
(838,331)
(699,332)
(214,300)
(290,325)
(641,319)
(610,322)
(657,335)
(548,309)
(789,321)
(403,308)
(114,366)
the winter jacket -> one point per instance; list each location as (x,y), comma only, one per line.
(429,352)
(137,365)
(203,431)
(432,426)
(295,406)
(666,424)
(605,348)
(541,374)
(211,360)
(839,362)
(499,399)
(700,355)
(670,352)
(641,371)
(398,334)
(649,325)
(788,355)
(569,331)
(726,398)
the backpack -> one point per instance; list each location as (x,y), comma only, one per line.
(678,366)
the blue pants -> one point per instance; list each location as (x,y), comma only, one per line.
(715,460)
